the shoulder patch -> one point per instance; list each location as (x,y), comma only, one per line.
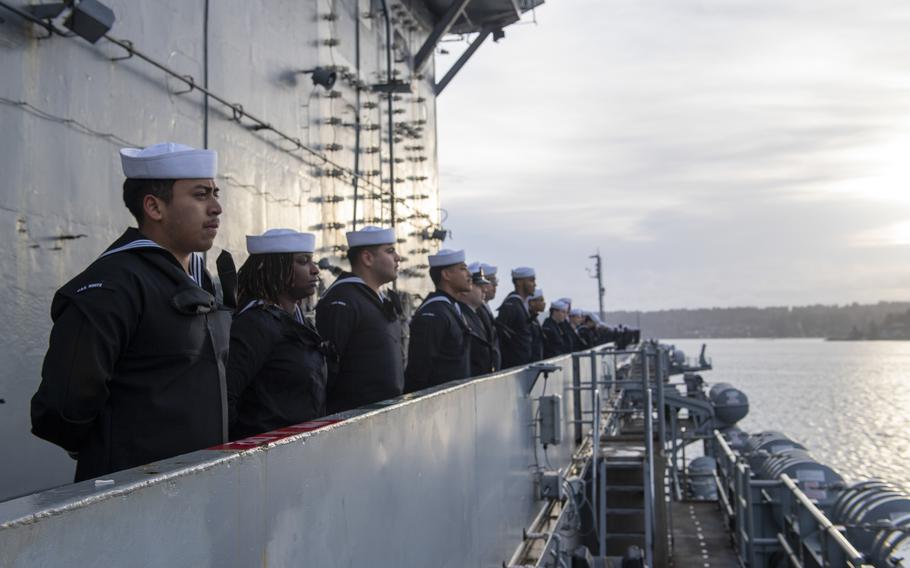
(338,303)
(90,286)
(428,314)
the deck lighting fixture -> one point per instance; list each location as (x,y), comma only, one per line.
(322,77)
(90,20)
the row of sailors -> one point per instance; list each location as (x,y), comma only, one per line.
(144,363)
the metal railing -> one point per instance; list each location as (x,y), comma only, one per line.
(775,518)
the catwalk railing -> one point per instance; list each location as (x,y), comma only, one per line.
(775,521)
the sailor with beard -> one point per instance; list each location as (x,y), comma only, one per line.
(440,349)
(514,320)
(362,324)
(276,371)
(134,370)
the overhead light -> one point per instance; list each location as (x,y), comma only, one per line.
(322,77)
(90,20)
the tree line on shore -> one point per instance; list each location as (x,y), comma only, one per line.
(883,320)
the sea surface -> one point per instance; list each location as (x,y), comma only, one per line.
(847,402)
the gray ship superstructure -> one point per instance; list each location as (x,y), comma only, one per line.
(323,113)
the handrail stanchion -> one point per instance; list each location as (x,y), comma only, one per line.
(660,477)
(598,485)
(576,398)
(595,457)
(649,458)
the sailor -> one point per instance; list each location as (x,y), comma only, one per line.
(556,341)
(588,330)
(276,371)
(576,318)
(486,314)
(489,272)
(135,367)
(481,326)
(362,324)
(536,304)
(574,342)
(439,350)
(513,321)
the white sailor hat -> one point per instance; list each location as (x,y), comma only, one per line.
(280,240)
(488,269)
(567,301)
(370,236)
(169,161)
(523,272)
(576,312)
(559,305)
(446,257)
(537,295)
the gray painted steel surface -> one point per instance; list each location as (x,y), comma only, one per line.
(443,479)
(66,107)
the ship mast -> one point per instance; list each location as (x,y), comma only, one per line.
(598,268)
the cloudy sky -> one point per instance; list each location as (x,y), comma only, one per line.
(717,152)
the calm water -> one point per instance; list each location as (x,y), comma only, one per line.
(848,402)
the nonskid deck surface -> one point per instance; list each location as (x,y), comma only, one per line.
(700,539)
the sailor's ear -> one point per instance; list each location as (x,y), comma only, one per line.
(367,257)
(152,207)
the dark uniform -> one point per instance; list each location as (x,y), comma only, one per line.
(536,340)
(555,339)
(276,372)
(489,325)
(575,341)
(364,331)
(514,327)
(588,336)
(135,369)
(482,352)
(439,350)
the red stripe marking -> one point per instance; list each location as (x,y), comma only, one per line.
(273,436)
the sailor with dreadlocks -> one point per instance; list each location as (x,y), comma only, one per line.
(439,350)
(134,371)
(361,322)
(276,371)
